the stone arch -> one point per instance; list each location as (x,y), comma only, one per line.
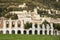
(35,25)
(49,32)
(13,31)
(13,24)
(55,32)
(40,26)
(7,32)
(7,24)
(19,32)
(45,32)
(41,31)
(18,23)
(36,31)
(30,31)
(45,27)
(24,31)
(1,32)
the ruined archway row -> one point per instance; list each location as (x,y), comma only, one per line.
(20,24)
(36,29)
(26,32)
(33,32)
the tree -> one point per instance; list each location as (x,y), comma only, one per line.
(27,25)
(56,26)
(46,22)
(14,16)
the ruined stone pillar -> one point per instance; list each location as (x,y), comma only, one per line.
(33,26)
(38,26)
(22,24)
(22,32)
(15,24)
(10,32)
(10,24)
(4,27)
(57,33)
(38,29)
(27,32)
(33,32)
(43,29)
(48,29)
(15,31)
(51,32)
(38,32)
(51,28)
(51,24)
(4,24)
(4,31)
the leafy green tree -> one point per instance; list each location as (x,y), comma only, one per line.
(14,16)
(27,25)
(56,26)
(35,25)
(46,22)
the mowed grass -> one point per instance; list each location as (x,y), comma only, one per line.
(27,37)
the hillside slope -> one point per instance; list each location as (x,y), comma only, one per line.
(41,3)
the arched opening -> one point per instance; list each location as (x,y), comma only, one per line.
(50,32)
(45,27)
(24,31)
(40,31)
(13,24)
(7,24)
(40,26)
(35,31)
(27,25)
(45,32)
(1,32)
(19,32)
(7,32)
(30,32)
(35,25)
(18,23)
(13,31)
(55,32)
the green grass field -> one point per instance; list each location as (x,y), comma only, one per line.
(28,37)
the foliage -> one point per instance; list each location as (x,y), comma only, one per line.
(45,13)
(41,3)
(27,25)
(2,11)
(31,4)
(56,26)
(11,16)
(45,22)
(35,25)
(14,16)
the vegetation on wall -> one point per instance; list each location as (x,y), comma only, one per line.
(31,4)
(11,16)
(56,26)
(45,13)
(45,22)
(28,25)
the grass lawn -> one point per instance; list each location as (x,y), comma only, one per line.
(27,37)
